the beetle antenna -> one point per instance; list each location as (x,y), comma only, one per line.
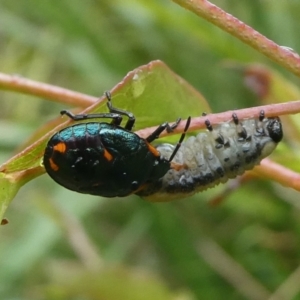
(187,125)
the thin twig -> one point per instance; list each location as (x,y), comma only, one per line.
(279,173)
(282,55)
(51,92)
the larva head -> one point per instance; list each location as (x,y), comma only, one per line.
(274,128)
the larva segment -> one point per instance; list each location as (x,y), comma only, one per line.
(209,158)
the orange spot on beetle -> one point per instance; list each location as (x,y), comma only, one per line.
(60,147)
(153,150)
(107,155)
(53,165)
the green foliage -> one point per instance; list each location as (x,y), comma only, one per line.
(62,245)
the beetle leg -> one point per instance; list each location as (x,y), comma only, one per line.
(164,126)
(116,118)
(114,113)
(131,118)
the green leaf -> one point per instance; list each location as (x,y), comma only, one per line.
(10,183)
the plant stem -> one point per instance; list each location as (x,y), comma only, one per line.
(51,92)
(282,55)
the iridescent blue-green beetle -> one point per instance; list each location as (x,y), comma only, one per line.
(105,159)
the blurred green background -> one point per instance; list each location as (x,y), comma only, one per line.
(63,245)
